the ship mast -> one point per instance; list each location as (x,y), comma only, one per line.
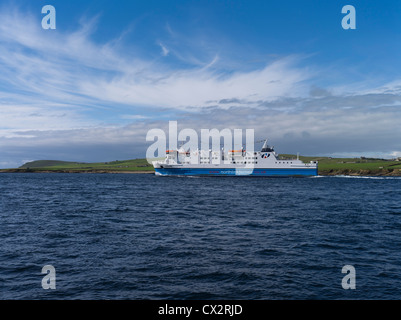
(265,145)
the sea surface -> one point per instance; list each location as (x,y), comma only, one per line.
(139,236)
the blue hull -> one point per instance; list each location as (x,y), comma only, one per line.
(236,172)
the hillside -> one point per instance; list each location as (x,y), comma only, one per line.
(354,166)
(46,163)
(136,165)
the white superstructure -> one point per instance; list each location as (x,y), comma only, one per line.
(232,162)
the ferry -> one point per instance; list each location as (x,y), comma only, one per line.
(265,162)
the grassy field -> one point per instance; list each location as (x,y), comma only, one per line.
(112,166)
(360,166)
(327,166)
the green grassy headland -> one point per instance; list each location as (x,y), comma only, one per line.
(354,166)
(134,166)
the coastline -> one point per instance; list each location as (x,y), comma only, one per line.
(362,173)
(72,171)
(328,166)
(332,172)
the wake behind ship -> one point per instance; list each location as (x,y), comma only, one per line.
(232,163)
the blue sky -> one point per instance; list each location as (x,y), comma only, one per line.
(111,71)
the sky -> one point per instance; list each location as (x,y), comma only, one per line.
(92,88)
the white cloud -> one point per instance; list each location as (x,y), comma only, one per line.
(189,89)
(72,71)
(165,51)
(134,117)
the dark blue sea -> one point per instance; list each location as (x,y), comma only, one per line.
(138,236)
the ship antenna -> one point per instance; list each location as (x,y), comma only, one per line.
(265,144)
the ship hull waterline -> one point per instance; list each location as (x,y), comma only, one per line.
(261,172)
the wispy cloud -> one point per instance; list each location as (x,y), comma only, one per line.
(165,51)
(72,70)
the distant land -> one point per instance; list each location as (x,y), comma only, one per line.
(327,166)
(123,166)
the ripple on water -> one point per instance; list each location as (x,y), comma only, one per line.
(140,236)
